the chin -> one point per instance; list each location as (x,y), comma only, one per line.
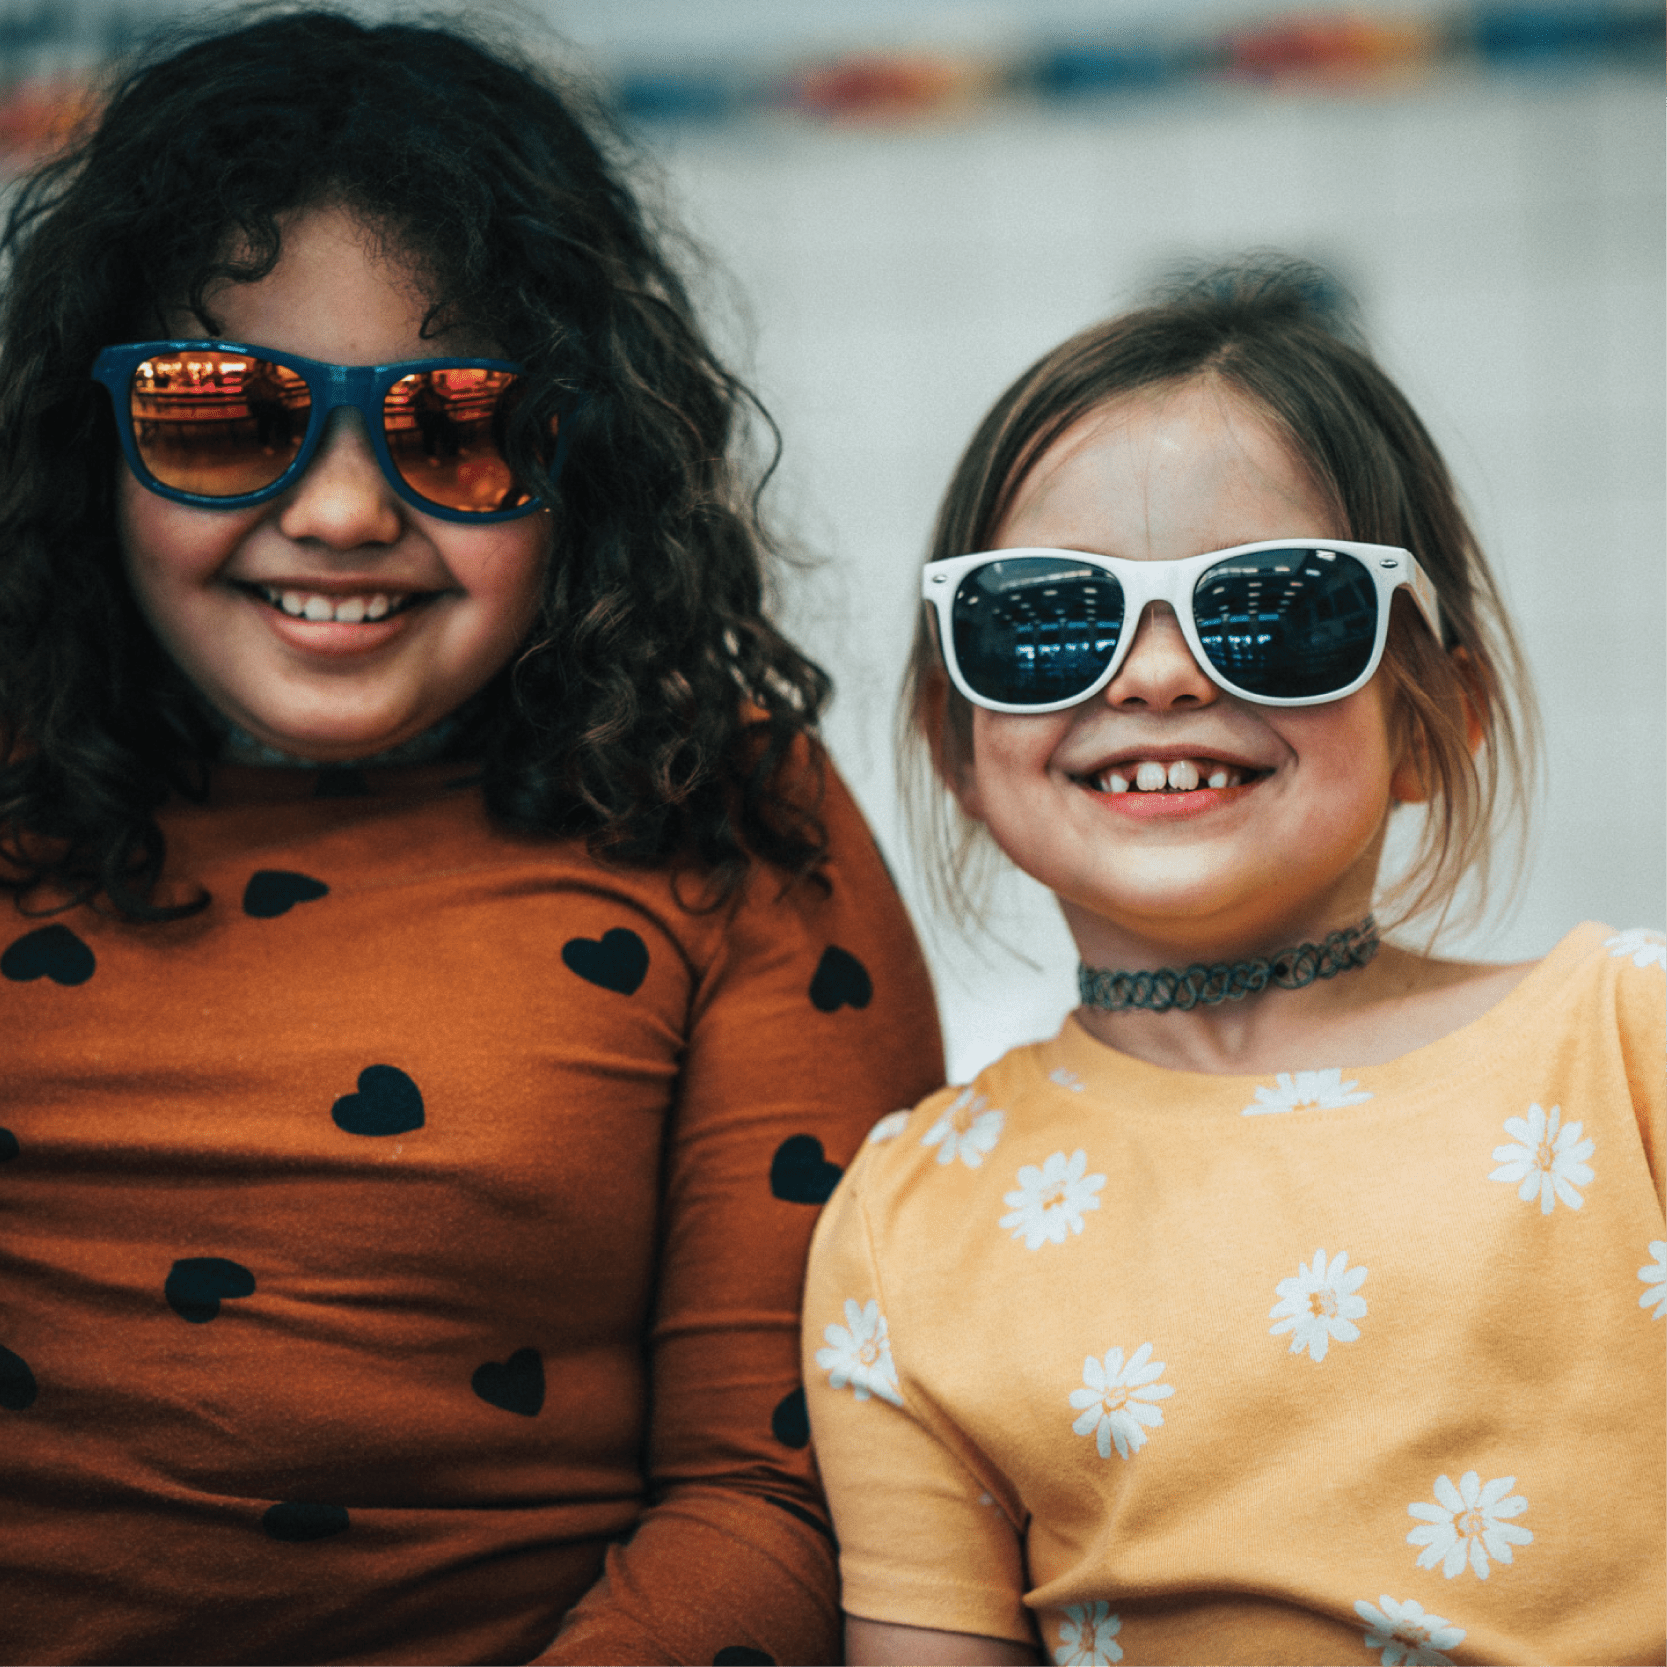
(335,742)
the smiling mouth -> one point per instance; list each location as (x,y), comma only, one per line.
(362,608)
(1181,775)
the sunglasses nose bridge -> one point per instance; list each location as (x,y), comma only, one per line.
(334,386)
(1149,585)
(354,388)
(1158,662)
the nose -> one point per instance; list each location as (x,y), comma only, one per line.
(342,499)
(1159,672)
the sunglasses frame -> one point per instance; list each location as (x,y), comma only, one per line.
(360,388)
(1173,582)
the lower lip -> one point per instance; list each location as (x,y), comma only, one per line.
(335,639)
(1171,807)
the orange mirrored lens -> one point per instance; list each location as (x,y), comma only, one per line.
(445,431)
(219,424)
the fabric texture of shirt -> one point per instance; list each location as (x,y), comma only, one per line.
(404,1254)
(1354,1365)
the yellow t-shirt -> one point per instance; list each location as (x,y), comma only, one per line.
(1351,1365)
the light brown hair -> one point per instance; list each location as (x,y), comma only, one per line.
(1278,335)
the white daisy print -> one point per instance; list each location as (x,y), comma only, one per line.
(968,1129)
(859,1354)
(1318,1304)
(1066,1079)
(1115,1401)
(1050,1200)
(1088,1636)
(889,1127)
(1469,1524)
(1306,1088)
(1407,1634)
(1549,1161)
(1647,948)
(1654,1276)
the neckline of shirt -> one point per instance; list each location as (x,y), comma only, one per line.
(1469,1050)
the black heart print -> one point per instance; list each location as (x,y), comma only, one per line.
(841,981)
(790,1422)
(800,1174)
(300,1520)
(48,952)
(388,1102)
(275,891)
(619,962)
(17,1382)
(197,1285)
(516,1384)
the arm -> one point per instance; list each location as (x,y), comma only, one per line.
(733,1558)
(931,1534)
(878,1644)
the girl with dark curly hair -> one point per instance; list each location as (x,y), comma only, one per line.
(443,975)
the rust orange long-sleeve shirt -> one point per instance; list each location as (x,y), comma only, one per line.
(401,1258)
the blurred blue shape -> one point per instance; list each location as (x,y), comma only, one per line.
(678,95)
(1134,66)
(1545,34)
(24,26)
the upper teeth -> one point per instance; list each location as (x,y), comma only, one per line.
(1151,776)
(346,610)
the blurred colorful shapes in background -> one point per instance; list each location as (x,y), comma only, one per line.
(51,69)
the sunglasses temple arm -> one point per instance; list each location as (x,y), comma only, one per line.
(1423,593)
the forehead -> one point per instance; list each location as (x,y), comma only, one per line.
(1168,471)
(341,290)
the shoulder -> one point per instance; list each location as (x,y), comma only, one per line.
(1634,960)
(849,895)
(961,1127)
(1620,970)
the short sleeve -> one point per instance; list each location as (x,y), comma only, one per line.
(923,1541)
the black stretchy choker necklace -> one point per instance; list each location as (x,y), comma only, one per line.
(1162,988)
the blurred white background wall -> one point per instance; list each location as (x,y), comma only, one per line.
(1501,227)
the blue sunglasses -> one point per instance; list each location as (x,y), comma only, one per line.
(225,425)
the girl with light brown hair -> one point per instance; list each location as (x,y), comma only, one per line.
(1286,1305)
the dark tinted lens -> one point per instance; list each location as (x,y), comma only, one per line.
(1036,628)
(1287,624)
(445,432)
(220,424)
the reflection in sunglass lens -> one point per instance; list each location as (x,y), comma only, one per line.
(218,424)
(445,431)
(1287,624)
(1036,628)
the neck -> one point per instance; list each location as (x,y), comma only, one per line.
(1284,1019)
(1291,967)
(439,741)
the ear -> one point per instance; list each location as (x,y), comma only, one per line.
(1409,782)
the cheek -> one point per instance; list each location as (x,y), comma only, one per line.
(502,568)
(170,549)
(1011,757)
(1344,750)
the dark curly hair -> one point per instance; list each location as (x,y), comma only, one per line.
(653,707)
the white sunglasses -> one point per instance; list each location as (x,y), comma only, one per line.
(1284,622)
